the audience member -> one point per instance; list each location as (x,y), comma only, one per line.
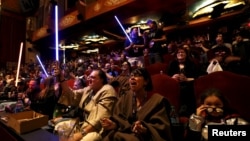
(221,50)
(122,81)
(134,49)
(137,115)
(239,62)
(153,40)
(183,70)
(79,83)
(42,101)
(213,109)
(96,100)
(110,71)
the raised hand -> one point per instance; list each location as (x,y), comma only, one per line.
(201,111)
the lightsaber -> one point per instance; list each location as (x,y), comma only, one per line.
(64,59)
(56,32)
(41,64)
(19,62)
(123,29)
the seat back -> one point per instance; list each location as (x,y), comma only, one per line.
(167,58)
(156,68)
(234,86)
(167,87)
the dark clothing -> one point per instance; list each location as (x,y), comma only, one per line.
(187,97)
(155,51)
(9,88)
(221,50)
(45,105)
(190,69)
(134,52)
(155,34)
(153,116)
(242,50)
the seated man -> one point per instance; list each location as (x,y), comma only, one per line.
(96,101)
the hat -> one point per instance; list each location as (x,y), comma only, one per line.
(150,21)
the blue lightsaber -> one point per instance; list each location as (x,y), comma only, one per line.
(123,29)
(41,64)
(56,32)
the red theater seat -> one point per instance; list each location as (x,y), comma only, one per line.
(156,68)
(170,88)
(167,58)
(234,86)
(167,87)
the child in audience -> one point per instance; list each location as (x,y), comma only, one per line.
(214,109)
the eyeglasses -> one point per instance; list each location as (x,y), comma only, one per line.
(212,109)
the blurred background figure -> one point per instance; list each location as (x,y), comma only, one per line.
(134,50)
(153,40)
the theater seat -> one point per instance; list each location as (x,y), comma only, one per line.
(156,68)
(234,86)
(167,87)
(170,89)
(167,58)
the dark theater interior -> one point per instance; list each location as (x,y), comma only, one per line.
(130,70)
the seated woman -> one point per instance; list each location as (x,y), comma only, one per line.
(185,71)
(214,109)
(137,115)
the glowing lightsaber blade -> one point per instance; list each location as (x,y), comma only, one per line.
(19,62)
(123,29)
(56,32)
(41,64)
(64,60)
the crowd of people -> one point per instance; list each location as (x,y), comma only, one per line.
(112,90)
